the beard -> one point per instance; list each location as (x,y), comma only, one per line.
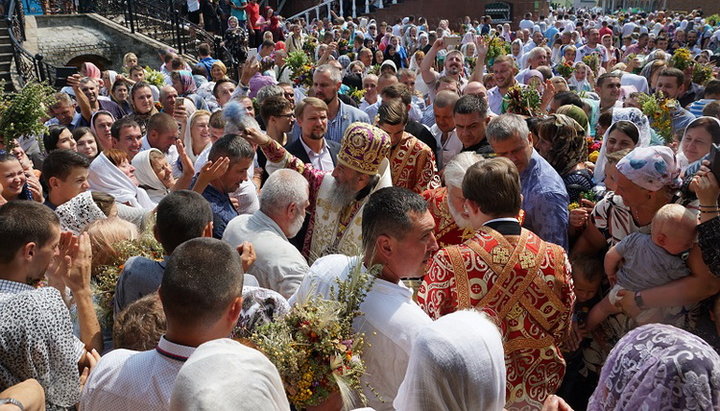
(459,217)
(296,225)
(342,195)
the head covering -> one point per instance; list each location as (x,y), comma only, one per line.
(344,61)
(187,137)
(234,20)
(107,178)
(42,348)
(91,70)
(530,74)
(569,146)
(260,306)
(651,168)
(95,115)
(187,83)
(456,363)
(146,176)
(575,113)
(224,375)
(636,117)
(112,75)
(659,367)
(388,63)
(77,213)
(363,148)
(682,160)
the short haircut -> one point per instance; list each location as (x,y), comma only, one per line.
(392,112)
(387,213)
(455,170)
(23,222)
(471,104)
(203,276)
(313,102)
(712,109)
(404,72)
(564,98)
(712,88)
(160,122)
(60,163)
(62,99)
(282,188)
(589,268)
(268,43)
(333,71)
(51,138)
(606,76)
(232,146)
(140,326)
(673,72)
(221,82)
(446,98)
(217,120)
(498,176)
(274,106)
(121,124)
(507,126)
(268,91)
(445,79)
(203,49)
(674,217)
(137,87)
(398,91)
(181,215)
(135,68)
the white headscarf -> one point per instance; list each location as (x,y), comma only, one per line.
(145,174)
(636,117)
(456,363)
(107,178)
(78,213)
(187,138)
(226,375)
(681,159)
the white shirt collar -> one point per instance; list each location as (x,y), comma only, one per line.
(497,220)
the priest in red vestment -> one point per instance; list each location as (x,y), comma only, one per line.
(512,274)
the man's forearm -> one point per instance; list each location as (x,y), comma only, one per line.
(90,333)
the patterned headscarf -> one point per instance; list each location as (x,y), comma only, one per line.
(78,213)
(659,367)
(651,168)
(567,137)
(187,83)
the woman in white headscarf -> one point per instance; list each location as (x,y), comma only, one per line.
(112,173)
(516,50)
(628,114)
(225,375)
(196,134)
(456,363)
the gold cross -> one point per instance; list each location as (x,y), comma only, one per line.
(527,260)
(500,255)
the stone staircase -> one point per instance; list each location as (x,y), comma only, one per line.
(6,56)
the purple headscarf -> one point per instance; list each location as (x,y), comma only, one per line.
(659,367)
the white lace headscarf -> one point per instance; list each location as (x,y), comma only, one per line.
(634,116)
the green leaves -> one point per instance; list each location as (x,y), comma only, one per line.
(22,113)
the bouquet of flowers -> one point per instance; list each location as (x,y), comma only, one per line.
(713,20)
(593,148)
(702,73)
(565,69)
(681,59)
(496,47)
(342,46)
(21,113)
(106,276)
(309,46)
(154,77)
(659,110)
(314,347)
(374,69)
(592,61)
(301,67)
(357,94)
(525,101)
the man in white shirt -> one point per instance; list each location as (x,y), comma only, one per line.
(535,58)
(201,294)
(504,70)
(279,265)
(397,234)
(444,128)
(527,22)
(592,47)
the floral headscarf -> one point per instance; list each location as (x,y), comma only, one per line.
(569,146)
(659,367)
(78,213)
(187,83)
(651,168)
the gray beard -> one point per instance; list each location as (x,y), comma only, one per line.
(342,195)
(461,221)
(296,225)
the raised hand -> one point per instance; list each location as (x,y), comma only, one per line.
(77,256)
(187,165)
(481,46)
(256,136)
(212,171)
(35,187)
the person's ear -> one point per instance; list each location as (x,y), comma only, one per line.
(662,239)
(28,251)
(384,247)
(53,182)
(234,310)
(208,230)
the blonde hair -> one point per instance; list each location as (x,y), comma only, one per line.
(127,57)
(104,234)
(675,217)
(313,102)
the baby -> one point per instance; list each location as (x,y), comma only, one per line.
(648,261)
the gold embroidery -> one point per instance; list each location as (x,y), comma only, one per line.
(500,255)
(527,260)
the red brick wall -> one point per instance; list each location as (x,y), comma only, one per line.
(708,6)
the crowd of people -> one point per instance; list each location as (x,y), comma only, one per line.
(541,199)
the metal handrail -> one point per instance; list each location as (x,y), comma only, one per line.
(29,67)
(306,13)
